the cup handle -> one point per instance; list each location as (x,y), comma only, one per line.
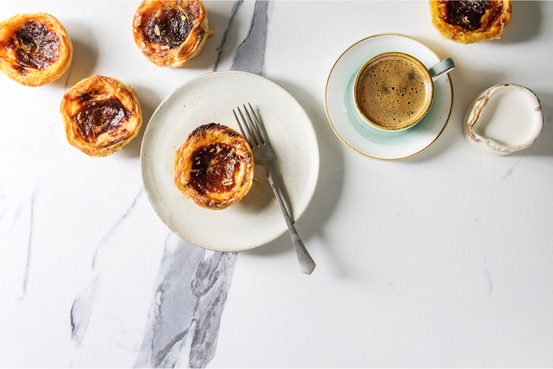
(445,66)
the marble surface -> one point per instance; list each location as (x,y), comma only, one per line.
(442,259)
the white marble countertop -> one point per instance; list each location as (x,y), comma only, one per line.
(442,259)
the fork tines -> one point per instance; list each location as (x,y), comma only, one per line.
(255,132)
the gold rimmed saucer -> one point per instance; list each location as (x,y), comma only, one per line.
(360,136)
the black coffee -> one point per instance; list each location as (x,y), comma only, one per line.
(393,91)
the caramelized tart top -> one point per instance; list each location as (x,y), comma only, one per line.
(170,32)
(470,21)
(214,166)
(101,115)
(35,49)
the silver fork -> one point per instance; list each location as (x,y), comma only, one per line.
(257,137)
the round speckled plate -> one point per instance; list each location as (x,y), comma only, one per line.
(360,136)
(256,219)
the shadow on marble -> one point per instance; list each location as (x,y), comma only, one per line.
(148,103)
(329,185)
(209,53)
(525,22)
(82,64)
(544,144)
(467,83)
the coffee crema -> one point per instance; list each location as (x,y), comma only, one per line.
(393,91)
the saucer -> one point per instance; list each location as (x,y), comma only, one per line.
(357,134)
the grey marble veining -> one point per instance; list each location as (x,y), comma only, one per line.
(81,309)
(17,236)
(87,279)
(184,319)
(193,283)
(29,246)
(189,300)
(107,236)
(235,8)
(250,55)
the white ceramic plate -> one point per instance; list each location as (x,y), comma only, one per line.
(360,136)
(256,219)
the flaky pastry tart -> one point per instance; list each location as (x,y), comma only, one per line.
(468,22)
(170,32)
(100,115)
(214,166)
(35,49)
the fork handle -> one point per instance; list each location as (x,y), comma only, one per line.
(307,265)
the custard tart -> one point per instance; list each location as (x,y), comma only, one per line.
(214,166)
(35,49)
(468,22)
(100,115)
(170,32)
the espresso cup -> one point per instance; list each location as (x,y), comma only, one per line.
(393,91)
